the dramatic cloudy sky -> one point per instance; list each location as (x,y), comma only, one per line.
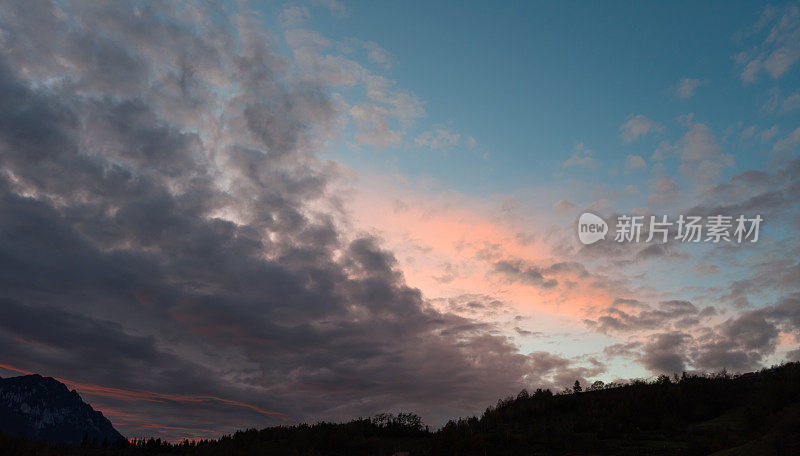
(219,215)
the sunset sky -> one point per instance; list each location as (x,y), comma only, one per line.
(226,215)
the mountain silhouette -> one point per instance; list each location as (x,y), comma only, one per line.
(44,409)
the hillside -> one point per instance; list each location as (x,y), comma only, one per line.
(44,409)
(753,414)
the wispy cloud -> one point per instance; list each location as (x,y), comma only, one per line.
(442,137)
(779,47)
(581,157)
(685,88)
(635,163)
(638,127)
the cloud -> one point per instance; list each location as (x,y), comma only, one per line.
(337,8)
(791,103)
(706,269)
(752,332)
(740,343)
(701,156)
(382,121)
(685,88)
(638,127)
(372,123)
(581,157)
(665,353)
(787,312)
(788,143)
(173,244)
(664,150)
(377,54)
(776,103)
(626,350)
(526,333)
(294,15)
(383,115)
(780,48)
(769,133)
(663,191)
(516,271)
(564,205)
(567,268)
(562,372)
(472,305)
(769,193)
(169,232)
(48,339)
(441,138)
(631,316)
(635,162)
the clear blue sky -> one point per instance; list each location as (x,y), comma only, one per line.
(530,80)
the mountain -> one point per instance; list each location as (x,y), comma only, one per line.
(44,409)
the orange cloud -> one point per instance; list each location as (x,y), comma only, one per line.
(143,395)
(450,245)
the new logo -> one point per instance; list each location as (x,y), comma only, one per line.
(591,228)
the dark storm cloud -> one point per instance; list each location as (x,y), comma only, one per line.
(751,331)
(676,339)
(739,344)
(162,233)
(787,311)
(665,353)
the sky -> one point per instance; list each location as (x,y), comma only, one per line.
(226,215)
